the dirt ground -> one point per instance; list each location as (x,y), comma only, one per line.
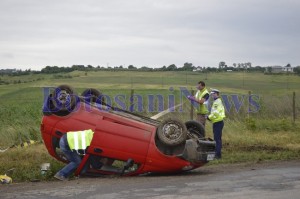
(110,185)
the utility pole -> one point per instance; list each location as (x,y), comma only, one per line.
(294,106)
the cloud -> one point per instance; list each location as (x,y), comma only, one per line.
(148,33)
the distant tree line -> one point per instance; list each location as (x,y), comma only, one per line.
(247,66)
(8,81)
(186,67)
(14,72)
(172,67)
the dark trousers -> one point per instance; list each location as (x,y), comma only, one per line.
(217,129)
(72,156)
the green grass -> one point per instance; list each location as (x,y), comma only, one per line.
(270,140)
(24,163)
(268,134)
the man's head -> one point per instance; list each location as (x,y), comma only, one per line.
(200,85)
(215,93)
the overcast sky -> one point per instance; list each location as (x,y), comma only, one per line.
(153,33)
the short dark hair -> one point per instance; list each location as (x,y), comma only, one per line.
(202,83)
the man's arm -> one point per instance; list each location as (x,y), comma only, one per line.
(202,100)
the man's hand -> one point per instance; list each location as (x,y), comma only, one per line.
(192,98)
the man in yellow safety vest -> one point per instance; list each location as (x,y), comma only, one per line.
(201,97)
(73,144)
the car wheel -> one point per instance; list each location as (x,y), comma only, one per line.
(172,132)
(92,95)
(63,100)
(195,129)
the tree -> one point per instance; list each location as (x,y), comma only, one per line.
(131,67)
(145,68)
(297,70)
(222,64)
(187,66)
(269,69)
(288,65)
(78,67)
(212,69)
(258,68)
(164,68)
(248,65)
(172,67)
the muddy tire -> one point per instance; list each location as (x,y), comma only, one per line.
(63,100)
(92,95)
(195,129)
(172,132)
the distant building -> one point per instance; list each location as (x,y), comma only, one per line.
(8,71)
(198,69)
(280,69)
(276,69)
(288,69)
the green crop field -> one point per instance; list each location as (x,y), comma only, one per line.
(269,133)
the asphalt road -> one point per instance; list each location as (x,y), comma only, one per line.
(264,180)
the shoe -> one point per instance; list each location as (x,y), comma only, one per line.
(60,177)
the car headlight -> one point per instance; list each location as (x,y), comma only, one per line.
(186,168)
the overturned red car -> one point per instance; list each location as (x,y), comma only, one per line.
(124,143)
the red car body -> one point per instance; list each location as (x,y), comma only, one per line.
(120,136)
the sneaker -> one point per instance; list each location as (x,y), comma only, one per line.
(60,177)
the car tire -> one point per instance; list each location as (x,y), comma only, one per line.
(172,132)
(195,129)
(92,95)
(63,100)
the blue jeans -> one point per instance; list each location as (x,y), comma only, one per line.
(72,156)
(217,129)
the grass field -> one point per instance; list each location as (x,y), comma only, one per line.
(269,134)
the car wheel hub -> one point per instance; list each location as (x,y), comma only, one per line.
(63,97)
(172,131)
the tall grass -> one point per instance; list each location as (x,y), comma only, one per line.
(23,163)
(20,115)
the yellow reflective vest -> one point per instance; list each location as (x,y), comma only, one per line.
(202,108)
(79,139)
(217,112)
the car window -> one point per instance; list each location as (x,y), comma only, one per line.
(106,165)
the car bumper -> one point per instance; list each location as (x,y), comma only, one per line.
(199,151)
